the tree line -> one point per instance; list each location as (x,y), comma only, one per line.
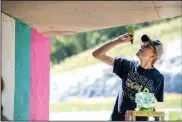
(68,45)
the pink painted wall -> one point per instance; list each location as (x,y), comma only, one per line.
(39,73)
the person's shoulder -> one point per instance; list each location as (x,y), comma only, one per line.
(158,73)
(126,60)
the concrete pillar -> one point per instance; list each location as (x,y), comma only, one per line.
(0,47)
(25,70)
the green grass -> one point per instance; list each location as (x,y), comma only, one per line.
(106,104)
(92,104)
(164,32)
(174,116)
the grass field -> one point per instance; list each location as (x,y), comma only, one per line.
(106,104)
(174,116)
(164,32)
(95,104)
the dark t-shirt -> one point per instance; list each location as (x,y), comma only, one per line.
(136,79)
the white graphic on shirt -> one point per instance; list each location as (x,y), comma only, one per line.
(136,83)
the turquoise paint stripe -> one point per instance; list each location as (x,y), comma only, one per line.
(22,71)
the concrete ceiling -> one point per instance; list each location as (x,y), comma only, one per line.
(68,17)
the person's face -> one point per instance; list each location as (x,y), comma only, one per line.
(146,52)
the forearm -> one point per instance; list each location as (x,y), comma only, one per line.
(105,48)
(100,53)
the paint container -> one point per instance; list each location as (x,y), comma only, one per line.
(130,30)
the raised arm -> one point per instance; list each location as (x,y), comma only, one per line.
(100,53)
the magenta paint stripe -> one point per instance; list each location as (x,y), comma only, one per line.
(39,73)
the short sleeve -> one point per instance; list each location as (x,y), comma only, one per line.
(121,67)
(160,90)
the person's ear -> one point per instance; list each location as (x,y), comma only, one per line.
(153,56)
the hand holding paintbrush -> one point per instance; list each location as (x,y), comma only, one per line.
(130,30)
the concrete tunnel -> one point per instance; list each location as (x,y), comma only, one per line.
(25,44)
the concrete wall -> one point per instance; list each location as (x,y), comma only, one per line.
(8,64)
(25,70)
(39,72)
(0,47)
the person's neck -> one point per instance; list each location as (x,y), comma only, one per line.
(146,64)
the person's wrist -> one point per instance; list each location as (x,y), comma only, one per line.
(118,41)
